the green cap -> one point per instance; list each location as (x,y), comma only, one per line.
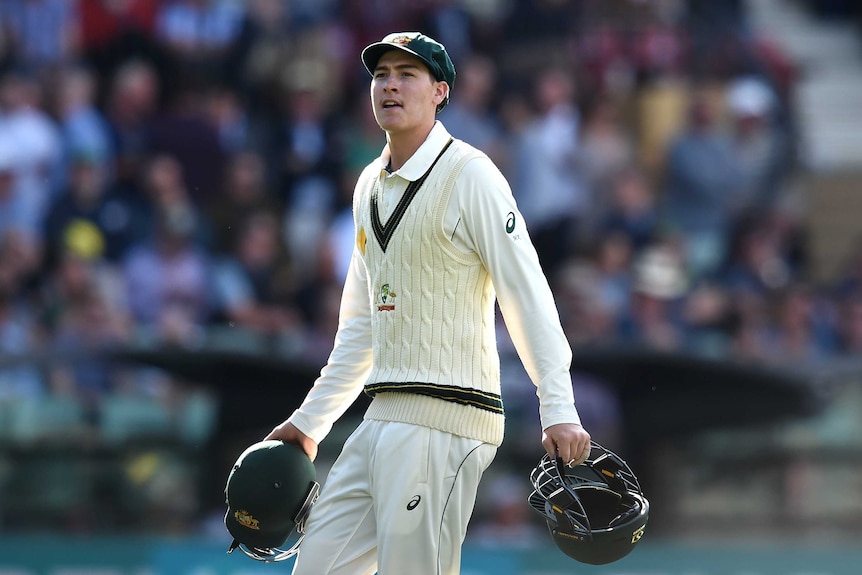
(430,51)
(267,492)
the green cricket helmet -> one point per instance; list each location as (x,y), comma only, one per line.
(269,494)
(596,511)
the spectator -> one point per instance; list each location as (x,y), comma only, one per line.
(132,103)
(257,57)
(36,140)
(226,113)
(166,192)
(245,191)
(114,32)
(255,283)
(86,310)
(184,132)
(757,261)
(532,27)
(15,214)
(548,187)
(470,114)
(82,125)
(749,333)
(632,209)
(606,149)
(704,180)
(168,280)
(612,261)
(306,148)
(20,257)
(763,151)
(587,315)
(801,332)
(653,320)
(849,275)
(197,35)
(659,49)
(88,203)
(360,143)
(43,33)
(849,328)
(17,338)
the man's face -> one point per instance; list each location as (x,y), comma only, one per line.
(404,94)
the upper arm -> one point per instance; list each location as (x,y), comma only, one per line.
(493,225)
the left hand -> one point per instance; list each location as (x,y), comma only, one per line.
(568,440)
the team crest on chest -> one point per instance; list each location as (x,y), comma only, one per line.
(385,298)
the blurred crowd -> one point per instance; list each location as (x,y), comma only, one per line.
(173,167)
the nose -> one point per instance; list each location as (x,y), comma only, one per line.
(391,84)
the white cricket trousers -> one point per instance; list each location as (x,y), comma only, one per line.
(397,501)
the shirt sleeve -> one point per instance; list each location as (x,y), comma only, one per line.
(349,364)
(494,228)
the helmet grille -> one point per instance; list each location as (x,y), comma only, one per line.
(596,511)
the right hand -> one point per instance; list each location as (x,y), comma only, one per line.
(288,433)
(568,441)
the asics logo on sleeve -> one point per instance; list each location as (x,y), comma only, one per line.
(414,503)
(510,222)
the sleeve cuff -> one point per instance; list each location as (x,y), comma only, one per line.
(317,431)
(559,415)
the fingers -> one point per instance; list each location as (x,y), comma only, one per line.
(550,446)
(570,442)
(288,433)
(584,454)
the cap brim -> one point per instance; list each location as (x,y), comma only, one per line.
(373,52)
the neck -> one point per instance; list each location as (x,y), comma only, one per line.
(403,145)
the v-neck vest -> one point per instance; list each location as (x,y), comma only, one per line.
(432,309)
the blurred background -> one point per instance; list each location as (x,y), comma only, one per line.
(175,182)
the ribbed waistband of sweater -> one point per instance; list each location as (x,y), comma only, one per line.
(445,415)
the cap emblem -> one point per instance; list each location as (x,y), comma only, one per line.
(245,519)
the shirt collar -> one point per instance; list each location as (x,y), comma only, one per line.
(415,167)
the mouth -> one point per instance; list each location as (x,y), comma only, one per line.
(389,104)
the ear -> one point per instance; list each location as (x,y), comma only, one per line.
(441,91)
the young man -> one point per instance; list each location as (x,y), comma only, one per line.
(438,238)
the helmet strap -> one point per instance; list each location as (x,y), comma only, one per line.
(305,508)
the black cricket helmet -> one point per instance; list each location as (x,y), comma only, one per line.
(596,511)
(269,494)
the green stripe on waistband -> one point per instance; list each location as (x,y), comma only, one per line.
(461,395)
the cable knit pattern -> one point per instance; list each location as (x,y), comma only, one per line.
(432,311)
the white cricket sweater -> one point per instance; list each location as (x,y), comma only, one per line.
(420,312)
(432,313)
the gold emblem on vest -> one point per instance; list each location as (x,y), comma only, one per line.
(386,299)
